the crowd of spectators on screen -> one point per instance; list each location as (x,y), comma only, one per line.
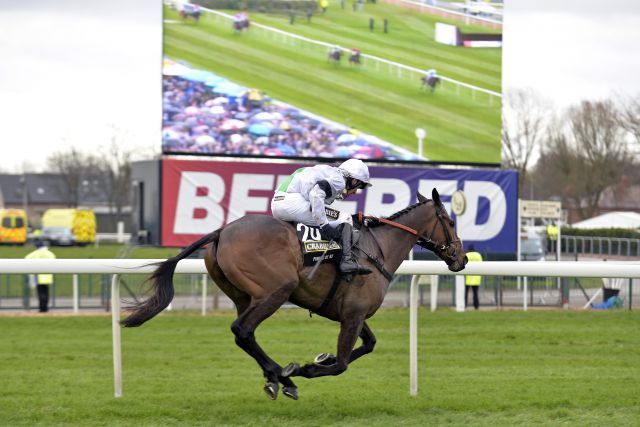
(197,119)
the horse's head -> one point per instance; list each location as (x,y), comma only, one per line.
(440,235)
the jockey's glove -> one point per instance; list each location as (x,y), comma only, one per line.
(329,233)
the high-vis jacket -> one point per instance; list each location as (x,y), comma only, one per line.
(474,280)
(42,253)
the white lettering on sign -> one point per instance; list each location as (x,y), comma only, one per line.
(466,225)
(396,190)
(445,187)
(198,207)
(468,228)
(241,202)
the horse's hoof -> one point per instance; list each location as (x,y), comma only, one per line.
(272,390)
(325,359)
(291,392)
(289,370)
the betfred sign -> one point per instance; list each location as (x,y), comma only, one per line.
(200,196)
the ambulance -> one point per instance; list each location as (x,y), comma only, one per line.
(68,227)
(13,226)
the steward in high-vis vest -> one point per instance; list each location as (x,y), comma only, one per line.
(473,282)
(43,281)
(552,232)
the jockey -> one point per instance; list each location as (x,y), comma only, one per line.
(431,73)
(302,198)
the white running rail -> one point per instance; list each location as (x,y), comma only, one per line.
(416,268)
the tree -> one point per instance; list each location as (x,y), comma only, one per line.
(116,170)
(630,116)
(73,167)
(523,127)
(586,155)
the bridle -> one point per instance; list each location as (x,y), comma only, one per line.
(424,241)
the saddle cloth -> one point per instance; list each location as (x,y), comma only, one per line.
(314,246)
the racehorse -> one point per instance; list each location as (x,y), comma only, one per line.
(430,82)
(354,58)
(334,56)
(257,262)
(240,25)
(191,13)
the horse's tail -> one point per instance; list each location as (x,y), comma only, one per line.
(162,284)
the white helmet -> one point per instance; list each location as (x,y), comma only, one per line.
(355,168)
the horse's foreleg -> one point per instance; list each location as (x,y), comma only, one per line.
(243,328)
(349,332)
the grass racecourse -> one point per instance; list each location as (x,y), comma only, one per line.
(476,368)
(462,126)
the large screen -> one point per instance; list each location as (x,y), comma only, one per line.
(368,81)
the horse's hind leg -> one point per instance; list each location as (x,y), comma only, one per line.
(368,343)
(245,325)
(349,331)
(243,301)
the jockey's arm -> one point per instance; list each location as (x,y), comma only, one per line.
(317,196)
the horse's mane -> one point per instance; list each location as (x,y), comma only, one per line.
(399,213)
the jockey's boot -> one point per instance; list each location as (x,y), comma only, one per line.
(349,263)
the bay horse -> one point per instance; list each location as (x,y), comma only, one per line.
(334,56)
(430,82)
(257,262)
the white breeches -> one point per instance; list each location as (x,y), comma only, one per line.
(295,208)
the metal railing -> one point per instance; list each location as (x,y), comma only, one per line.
(601,246)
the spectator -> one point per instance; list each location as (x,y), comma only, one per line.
(473,282)
(42,281)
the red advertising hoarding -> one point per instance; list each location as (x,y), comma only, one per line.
(200,196)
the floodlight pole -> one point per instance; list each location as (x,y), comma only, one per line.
(420,134)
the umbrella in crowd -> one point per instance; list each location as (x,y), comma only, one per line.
(228,88)
(232,124)
(198,76)
(259,129)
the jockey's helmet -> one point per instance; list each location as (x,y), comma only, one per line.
(355,168)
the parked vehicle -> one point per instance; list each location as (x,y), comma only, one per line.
(13,226)
(532,248)
(67,227)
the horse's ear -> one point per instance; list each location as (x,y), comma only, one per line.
(436,197)
(421,198)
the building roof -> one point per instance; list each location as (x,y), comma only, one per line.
(618,219)
(46,188)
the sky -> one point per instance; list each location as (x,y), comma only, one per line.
(72,71)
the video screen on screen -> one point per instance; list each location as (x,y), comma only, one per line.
(375,81)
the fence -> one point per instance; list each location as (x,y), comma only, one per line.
(399,69)
(601,246)
(416,268)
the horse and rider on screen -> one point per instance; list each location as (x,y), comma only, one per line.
(430,80)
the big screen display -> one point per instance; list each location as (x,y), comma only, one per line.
(200,196)
(378,86)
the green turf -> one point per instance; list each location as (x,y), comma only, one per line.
(462,127)
(477,368)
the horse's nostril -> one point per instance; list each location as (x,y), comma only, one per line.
(466,260)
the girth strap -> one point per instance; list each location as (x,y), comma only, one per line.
(334,287)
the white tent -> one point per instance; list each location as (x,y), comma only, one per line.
(611,220)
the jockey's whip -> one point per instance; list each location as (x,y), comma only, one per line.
(315,267)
